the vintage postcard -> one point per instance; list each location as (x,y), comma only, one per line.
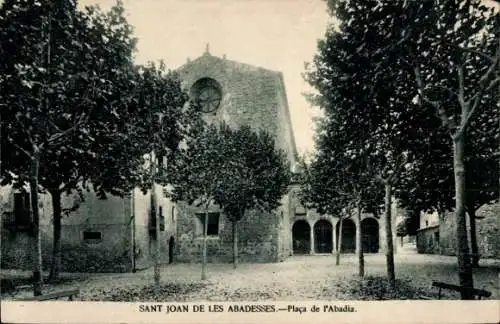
(249,161)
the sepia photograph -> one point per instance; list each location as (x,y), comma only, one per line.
(241,161)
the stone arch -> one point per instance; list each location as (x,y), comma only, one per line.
(370,235)
(323,240)
(348,235)
(301,236)
(171,248)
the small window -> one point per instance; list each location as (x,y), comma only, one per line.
(162,218)
(426,223)
(91,236)
(300,210)
(152,219)
(436,237)
(22,210)
(213,223)
(173,213)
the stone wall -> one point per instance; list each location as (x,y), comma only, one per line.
(447,233)
(110,254)
(428,240)
(144,238)
(488,233)
(258,237)
(110,219)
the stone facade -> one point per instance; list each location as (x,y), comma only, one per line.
(109,235)
(104,218)
(258,237)
(250,96)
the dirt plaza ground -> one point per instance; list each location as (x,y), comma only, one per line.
(297,278)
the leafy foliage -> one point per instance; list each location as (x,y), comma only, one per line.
(338,176)
(366,91)
(411,62)
(463,40)
(235,169)
(73,101)
(367,97)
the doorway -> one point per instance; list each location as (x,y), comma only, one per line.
(323,236)
(301,232)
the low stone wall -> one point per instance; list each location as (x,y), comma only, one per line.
(428,240)
(488,233)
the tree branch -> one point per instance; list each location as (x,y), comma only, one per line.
(55,138)
(461,97)
(447,122)
(19,147)
(450,91)
(477,96)
(397,169)
(55,126)
(23,126)
(380,178)
(473,51)
(492,84)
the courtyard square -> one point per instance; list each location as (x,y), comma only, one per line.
(297,278)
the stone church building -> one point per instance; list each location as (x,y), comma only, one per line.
(117,234)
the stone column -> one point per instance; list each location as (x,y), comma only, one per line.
(311,237)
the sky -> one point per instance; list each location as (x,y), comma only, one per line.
(274,34)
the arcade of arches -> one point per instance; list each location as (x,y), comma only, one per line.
(320,237)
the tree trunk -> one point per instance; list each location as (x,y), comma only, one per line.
(389,254)
(463,257)
(204,261)
(235,244)
(339,245)
(473,238)
(56,248)
(35,216)
(361,259)
(158,244)
(155,216)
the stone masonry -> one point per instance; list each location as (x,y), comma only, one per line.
(249,96)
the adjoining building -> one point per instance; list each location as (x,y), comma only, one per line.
(314,233)
(437,232)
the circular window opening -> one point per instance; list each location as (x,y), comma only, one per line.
(207,94)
